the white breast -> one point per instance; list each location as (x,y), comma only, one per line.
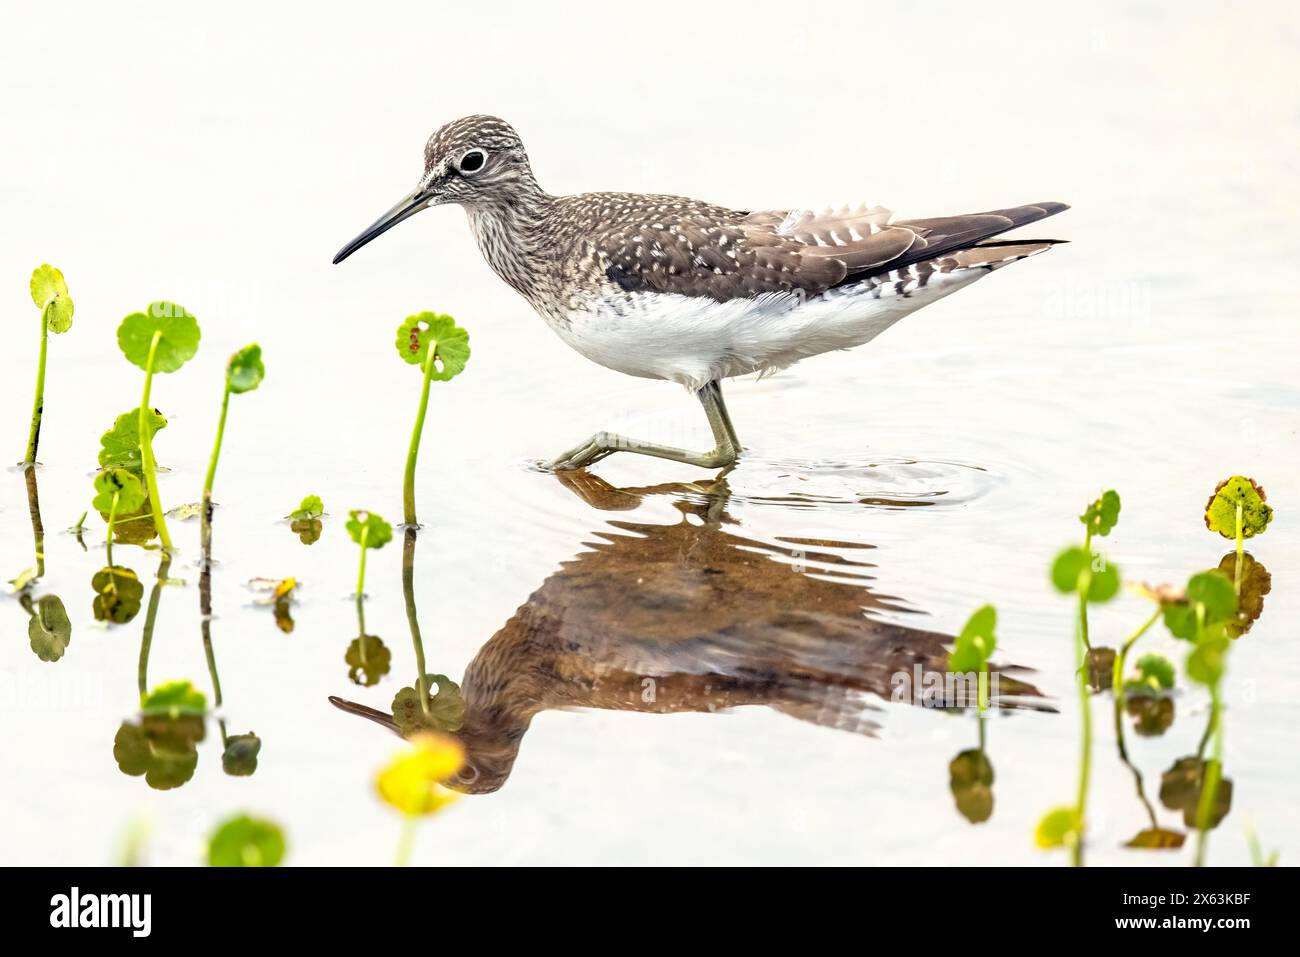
(693,341)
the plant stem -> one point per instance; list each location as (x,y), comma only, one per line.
(412,619)
(405,841)
(205,509)
(216,445)
(148,465)
(1236,575)
(1123,756)
(38,527)
(1085,708)
(1211,771)
(151,616)
(1117,675)
(205,627)
(1083,619)
(361,575)
(38,405)
(408,488)
(112,517)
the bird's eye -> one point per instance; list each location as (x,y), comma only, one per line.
(472,161)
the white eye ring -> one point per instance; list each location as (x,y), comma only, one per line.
(477,159)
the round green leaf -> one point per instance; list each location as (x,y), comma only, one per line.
(443,709)
(1060,827)
(50,293)
(118,594)
(244,371)
(311,507)
(368,659)
(239,759)
(178,333)
(970,779)
(162,749)
(1221,509)
(1206,662)
(1103,514)
(123,484)
(47,283)
(1214,591)
(245,841)
(450,344)
(174,699)
(1075,565)
(974,645)
(1155,673)
(119,447)
(49,631)
(1208,607)
(378,533)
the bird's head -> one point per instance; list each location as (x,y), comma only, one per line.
(491,741)
(477,161)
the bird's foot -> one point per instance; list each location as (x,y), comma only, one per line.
(604,444)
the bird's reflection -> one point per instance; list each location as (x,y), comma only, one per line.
(686,617)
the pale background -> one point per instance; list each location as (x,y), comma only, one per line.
(219,156)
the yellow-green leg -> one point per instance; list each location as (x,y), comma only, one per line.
(725,448)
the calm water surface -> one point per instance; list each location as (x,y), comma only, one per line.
(887,492)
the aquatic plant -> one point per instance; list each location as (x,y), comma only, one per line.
(973,648)
(1092,580)
(26,578)
(311,507)
(162,744)
(970,779)
(245,841)
(305,520)
(162,339)
(50,293)
(117,491)
(440,348)
(238,751)
(49,630)
(367,657)
(412,783)
(119,594)
(174,699)
(1238,509)
(434,702)
(369,531)
(1203,618)
(244,373)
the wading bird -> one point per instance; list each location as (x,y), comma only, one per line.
(665,287)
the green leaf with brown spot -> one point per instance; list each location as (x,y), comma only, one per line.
(449,342)
(1221,509)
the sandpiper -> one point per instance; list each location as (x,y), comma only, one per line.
(665,287)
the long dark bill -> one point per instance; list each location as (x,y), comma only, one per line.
(409,205)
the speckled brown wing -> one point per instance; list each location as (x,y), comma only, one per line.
(698,250)
(708,256)
(865,240)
